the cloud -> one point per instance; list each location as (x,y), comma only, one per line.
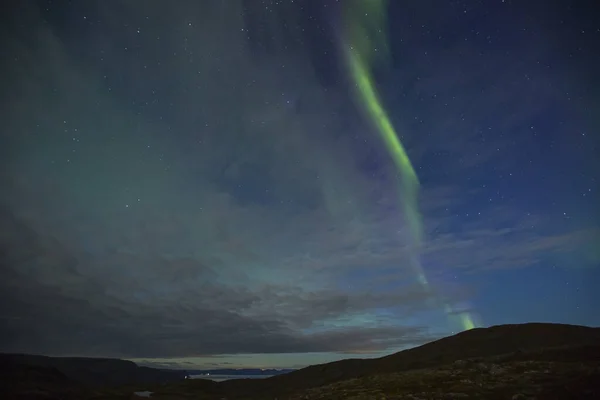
(137,307)
(495,236)
(488,249)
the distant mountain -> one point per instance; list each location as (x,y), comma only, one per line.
(81,371)
(239,371)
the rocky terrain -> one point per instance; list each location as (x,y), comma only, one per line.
(473,379)
(530,361)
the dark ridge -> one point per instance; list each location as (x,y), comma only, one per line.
(480,342)
(85,371)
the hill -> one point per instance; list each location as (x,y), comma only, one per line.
(504,377)
(80,371)
(498,340)
(549,361)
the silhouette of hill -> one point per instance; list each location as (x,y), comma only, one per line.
(527,361)
(81,371)
(479,342)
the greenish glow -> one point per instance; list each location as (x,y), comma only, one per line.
(366,45)
(378,116)
(467,321)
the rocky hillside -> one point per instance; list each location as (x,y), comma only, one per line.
(481,342)
(567,373)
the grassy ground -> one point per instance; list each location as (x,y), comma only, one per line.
(472,380)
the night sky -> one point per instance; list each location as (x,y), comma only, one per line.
(197,183)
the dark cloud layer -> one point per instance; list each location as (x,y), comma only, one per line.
(106,312)
(195,180)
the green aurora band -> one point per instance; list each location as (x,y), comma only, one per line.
(366,45)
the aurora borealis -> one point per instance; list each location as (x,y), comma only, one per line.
(359,51)
(250,183)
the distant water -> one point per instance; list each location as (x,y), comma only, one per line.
(220,378)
